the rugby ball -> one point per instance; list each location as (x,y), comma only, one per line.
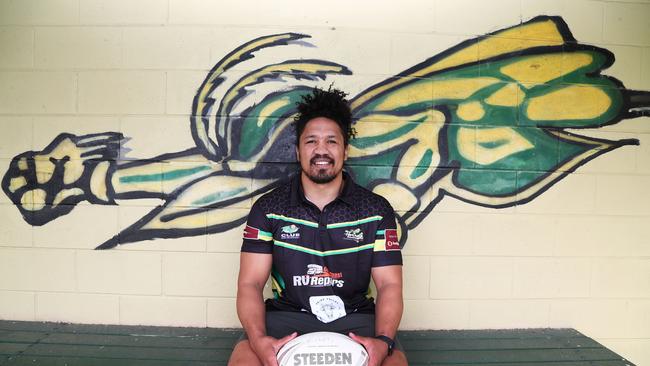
(322,348)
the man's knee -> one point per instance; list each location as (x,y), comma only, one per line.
(398,358)
(243,355)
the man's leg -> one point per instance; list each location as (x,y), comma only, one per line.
(364,325)
(278,324)
(398,358)
(243,355)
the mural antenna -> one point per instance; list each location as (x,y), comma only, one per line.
(639,103)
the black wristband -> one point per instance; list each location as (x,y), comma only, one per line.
(389,341)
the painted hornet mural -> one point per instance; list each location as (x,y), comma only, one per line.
(485,122)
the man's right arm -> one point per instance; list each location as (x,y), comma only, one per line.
(254,270)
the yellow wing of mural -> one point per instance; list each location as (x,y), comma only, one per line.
(495,109)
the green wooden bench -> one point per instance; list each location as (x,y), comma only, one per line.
(35,343)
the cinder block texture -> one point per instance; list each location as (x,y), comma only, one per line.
(14,232)
(17,135)
(28,12)
(552,278)
(471,277)
(467,17)
(427,314)
(196,274)
(77,308)
(165,311)
(119,92)
(584,16)
(79,229)
(624,23)
(381,16)
(512,314)
(574,253)
(596,317)
(38,92)
(633,349)
(167,47)
(17,47)
(101,12)
(119,272)
(222,313)
(78,47)
(17,305)
(37,270)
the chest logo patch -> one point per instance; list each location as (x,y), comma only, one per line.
(327,308)
(319,276)
(290,232)
(353,234)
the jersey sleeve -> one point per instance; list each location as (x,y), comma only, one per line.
(258,237)
(387,250)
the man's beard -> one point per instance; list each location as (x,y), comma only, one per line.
(322,176)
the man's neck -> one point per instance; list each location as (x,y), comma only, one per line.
(321,194)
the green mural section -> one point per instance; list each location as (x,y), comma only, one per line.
(486,122)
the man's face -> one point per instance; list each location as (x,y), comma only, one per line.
(321,150)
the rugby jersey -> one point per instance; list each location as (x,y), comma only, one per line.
(319,254)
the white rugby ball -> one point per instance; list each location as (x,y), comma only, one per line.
(322,348)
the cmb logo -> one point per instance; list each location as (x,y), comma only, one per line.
(290,232)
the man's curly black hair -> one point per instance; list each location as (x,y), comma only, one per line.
(330,103)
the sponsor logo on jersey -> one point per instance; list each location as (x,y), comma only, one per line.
(319,276)
(353,234)
(251,233)
(290,232)
(392,242)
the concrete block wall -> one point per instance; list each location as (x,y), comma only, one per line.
(576,256)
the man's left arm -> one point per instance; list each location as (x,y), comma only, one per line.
(390,304)
(388,311)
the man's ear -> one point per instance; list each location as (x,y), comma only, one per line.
(297,154)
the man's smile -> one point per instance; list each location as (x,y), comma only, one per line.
(321,162)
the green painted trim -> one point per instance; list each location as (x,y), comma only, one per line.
(291,220)
(424,162)
(215,197)
(326,253)
(352,223)
(170,175)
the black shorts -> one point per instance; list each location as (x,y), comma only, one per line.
(283,323)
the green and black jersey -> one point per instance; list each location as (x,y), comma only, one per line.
(322,259)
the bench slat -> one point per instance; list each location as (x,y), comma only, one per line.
(34,343)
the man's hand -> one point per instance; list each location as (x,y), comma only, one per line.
(376,348)
(266,348)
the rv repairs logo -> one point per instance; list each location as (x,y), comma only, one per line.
(319,276)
